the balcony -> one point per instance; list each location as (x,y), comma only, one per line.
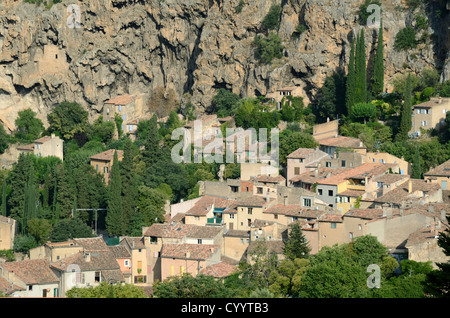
(214,221)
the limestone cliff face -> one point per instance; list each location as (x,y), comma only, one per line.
(189,46)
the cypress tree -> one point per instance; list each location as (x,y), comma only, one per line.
(360,70)
(350,83)
(152,152)
(378,65)
(114,216)
(405,119)
(4,206)
(30,210)
(129,186)
(66,196)
(19,178)
(416,168)
(296,246)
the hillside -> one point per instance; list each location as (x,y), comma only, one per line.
(190,48)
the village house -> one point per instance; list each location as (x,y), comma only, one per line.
(55,251)
(282,94)
(8,228)
(44,147)
(31,278)
(343,159)
(429,115)
(440,175)
(123,257)
(137,269)
(330,229)
(384,157)
(302,160)
(235,243)
(251,209)
(126,106)
(103,162)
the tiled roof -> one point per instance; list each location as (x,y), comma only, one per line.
(309,176)
(272,246)
(351,193)
(237,233)
(366,170)
(254,201)
(107,155)
(219,270)
(29,147)
(389,178)
(178,230)
(32,272)
(43,139)
(434,101)
(205,120)
(442,170)
(270,179)
(343,142)
(300,153)
(7,287)
(335,218)
(205,204)
(135,242)
(89,261)
(120,100)
(119,251)
(188,251)
(365,213)
(92,243)
(401,193)
(294,210)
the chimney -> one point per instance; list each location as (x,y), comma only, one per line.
(53,135)
(409,186)
(316,172)
(387,211)
(188,254)
(443,214)
(87,257)
(285,200)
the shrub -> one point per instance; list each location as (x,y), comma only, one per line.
(268,48)
(363,14)
(405,39)
(272,19)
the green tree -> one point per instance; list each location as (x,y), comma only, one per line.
(106,290)
(438,281)
(151,204)
(268,48)
(4,140)
(40,229)
(101,130)
(65,194)
(364,111)
(350,81)
(405,119)
(114,217)
(331,103)
(286,279)
(272,20)
(129,184)
(68,229)
(28,127)
(405,39)
(68,119)
(416,167)
(225,103)
(360,69)
(187,286)
(291,141)
(296,245)
(378,65)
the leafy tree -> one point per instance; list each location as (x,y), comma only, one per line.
(68,229)
(444,89)
(114,217)
(291,141)
(416,168)
(106,290)
(65,193)
(272,20)
(405,39)
(129,184)
(296,246)
(23,243)
(68,119)
(378,65)
(151,204)
(28,127)
(101,130)
(118,120)
(40,229)
(225,103)
(365,111)
(4,140)
(285,280)
(438,281)
(268,48)
(331,102)
(187,286)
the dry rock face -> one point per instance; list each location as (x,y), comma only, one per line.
(190,46)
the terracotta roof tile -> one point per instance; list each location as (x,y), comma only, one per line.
(294,210)
(120,100)
(107,155)
(343,142)
(219,270)
(32,271)
(188,251)
(301,153)
(365,213)
(441,170)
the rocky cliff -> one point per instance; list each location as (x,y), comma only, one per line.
(189,46)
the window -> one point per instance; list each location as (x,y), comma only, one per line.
(333,225)
(360,227)
(320,191)
(127,263)
(351,235)
(120,108)
(196,218)
(249,222)
(330,193)
(343,163)
(130,128)
(307,202)
(275,216)
(231,216)
(296,170)
(123,116)
(444,185)
(379,185)
(38,146)
(30,287)
(96,167)
(97,277)
(199,241)
(249,210)
(328,164)
(234,189)
(259,190)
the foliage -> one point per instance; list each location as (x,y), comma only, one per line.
(363,14)
(224,103)
(405,119)
(365,111)
(187,286)
(106,290)
(299,29)
(28,127)
(268,48)
(331,101)
(296,245)
(286,279)
(272,20)
(291,141)
(292,109)
(23,243)
(114,217)
(438,281)
(350,80)
(40,229)
(252,114)
(239,7)
(378,65)
(360,69)
(405,39)
(68,229)
(68,119)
